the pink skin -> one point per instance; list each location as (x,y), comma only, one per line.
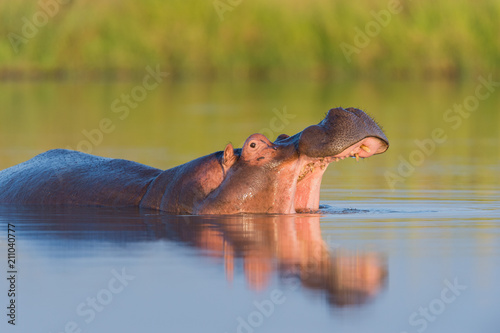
(257,150)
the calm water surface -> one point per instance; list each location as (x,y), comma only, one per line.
(407,241)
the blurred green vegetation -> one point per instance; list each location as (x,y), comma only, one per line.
(180,121)
(252,39)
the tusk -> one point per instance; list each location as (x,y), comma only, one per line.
(357,157)
(365,148)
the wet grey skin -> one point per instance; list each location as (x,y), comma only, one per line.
(280,177)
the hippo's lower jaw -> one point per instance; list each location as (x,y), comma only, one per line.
(312,169)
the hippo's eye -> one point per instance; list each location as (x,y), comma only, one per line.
(252,145)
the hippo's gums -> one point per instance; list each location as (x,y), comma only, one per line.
(280,177)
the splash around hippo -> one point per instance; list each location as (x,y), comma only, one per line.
(280,177)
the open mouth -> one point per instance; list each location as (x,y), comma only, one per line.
(362,149)
(313,168)
(343,133)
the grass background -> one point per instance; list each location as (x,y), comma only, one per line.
(251,39)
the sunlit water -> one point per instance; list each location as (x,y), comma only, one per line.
(408,241)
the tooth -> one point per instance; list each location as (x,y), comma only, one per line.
(365,148)
(357,157)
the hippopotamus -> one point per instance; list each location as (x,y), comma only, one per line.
(280,177)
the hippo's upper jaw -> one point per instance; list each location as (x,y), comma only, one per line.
(284,177)
(342,132)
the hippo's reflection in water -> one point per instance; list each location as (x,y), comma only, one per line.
(292,247)
(289,246)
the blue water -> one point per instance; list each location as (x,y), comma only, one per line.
(365,265)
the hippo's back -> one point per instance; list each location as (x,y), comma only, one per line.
(61,176)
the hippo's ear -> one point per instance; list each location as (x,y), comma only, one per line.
(229,157)
(282,137)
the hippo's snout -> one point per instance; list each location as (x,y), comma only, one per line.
(343,132)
